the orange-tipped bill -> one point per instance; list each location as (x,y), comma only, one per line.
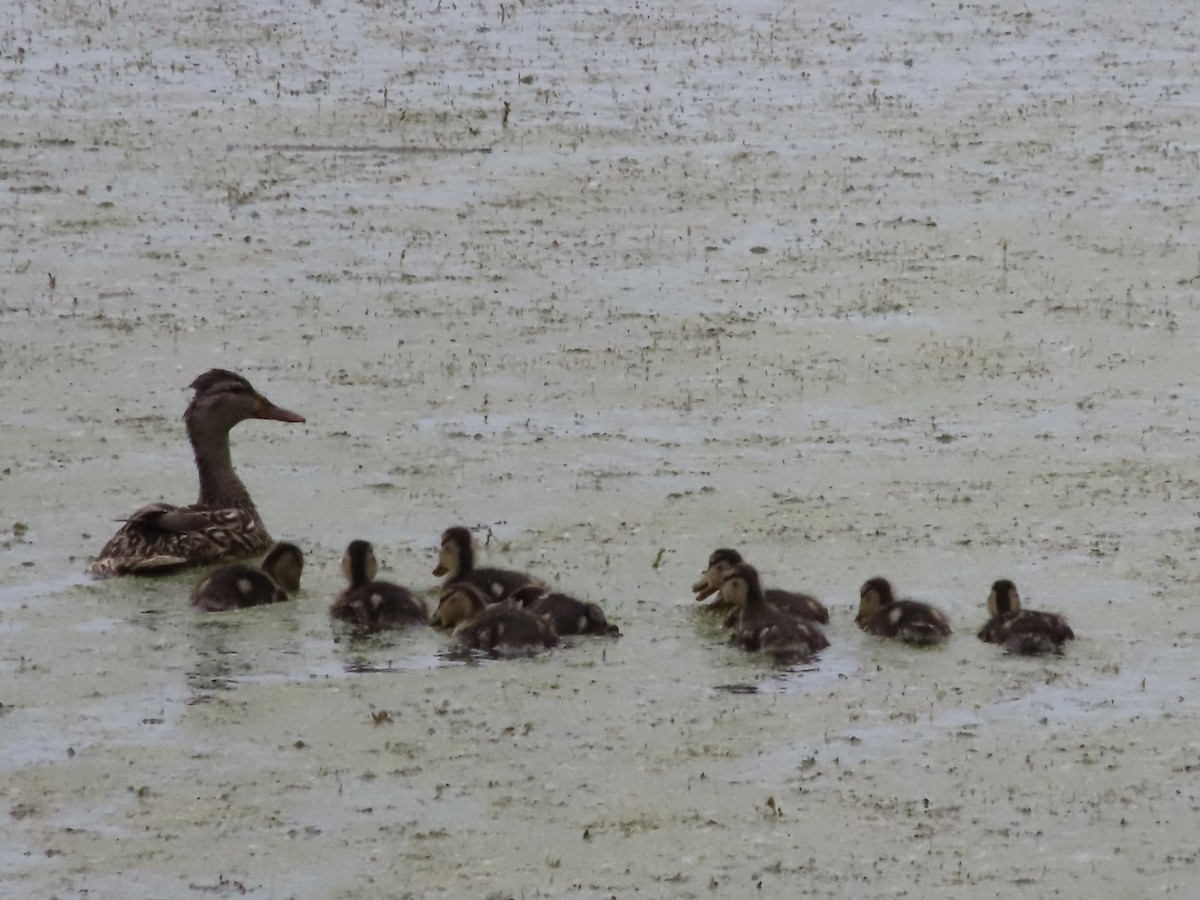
(268,410)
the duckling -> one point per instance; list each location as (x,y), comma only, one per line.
(762,626)
(566,614)
(879,612)
(722,561)
(456,560)
(223,524)
(1022,631)
(239,586)
(370,604)
(501,629)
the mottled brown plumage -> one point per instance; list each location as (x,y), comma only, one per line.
(879,612)
(456,561)
(501,629)
(722,561)
(240,586)
(223,523)
(374,605)
(762,626)
(1025,632)
(565,613)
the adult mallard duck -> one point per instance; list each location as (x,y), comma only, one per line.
(223,524)
(722,561)
(565,613)
(370,604)
(1022,631)
(239,586)
(762,626)
(456,561)
(501,629)
(879,612)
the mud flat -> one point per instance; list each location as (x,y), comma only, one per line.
(860,288)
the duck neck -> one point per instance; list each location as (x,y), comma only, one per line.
(219,484)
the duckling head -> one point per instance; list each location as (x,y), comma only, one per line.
(457,554)
(1004,598)
(720,562)
(875,594)
(461,602)
(284,562)
(359,564)
(741,586)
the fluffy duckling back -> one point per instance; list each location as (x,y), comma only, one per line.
(500,629)
(566,614)
(456,561)
(722,561)
(373,605)
(762,626)
(239,586)
(1022,631)
(879,612)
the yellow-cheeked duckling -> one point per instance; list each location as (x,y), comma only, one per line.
(238,586)
(373,605)
(456,561)
(501,629)
(566,614)
(223,524)
(1022,631)
(722,561)
(879,612)
(761,625)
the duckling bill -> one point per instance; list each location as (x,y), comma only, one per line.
(880,613)
(1024,632)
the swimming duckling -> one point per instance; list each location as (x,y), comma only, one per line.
(370,604)
(1022,631)
(456,560)
(722,561)
(501,629)
(223,524)
(879,612)
(762,626)
(239,587)
(566,614)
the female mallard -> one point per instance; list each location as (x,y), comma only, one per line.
(565,614)
(721,562)
(879,612)
(1022,631)
(456,561)
(238,586)
(501,629)
(762,626)
(371,604)
(223,524)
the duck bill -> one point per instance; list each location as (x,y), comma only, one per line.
(268,410)
(441,569)
(703,589)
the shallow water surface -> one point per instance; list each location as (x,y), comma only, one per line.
(902,290)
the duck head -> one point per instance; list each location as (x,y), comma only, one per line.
(456,555)
(284,562)
(720,563)
(1004,598)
